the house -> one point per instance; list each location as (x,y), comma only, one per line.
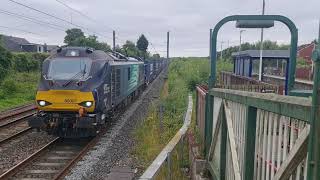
(305,51)
(17,44)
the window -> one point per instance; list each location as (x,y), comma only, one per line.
(64,69)
(129,73)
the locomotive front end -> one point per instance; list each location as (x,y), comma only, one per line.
(66,98)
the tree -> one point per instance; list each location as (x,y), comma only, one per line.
(156,56)
(130,49)
(91,41)
(73,35)
(5,62)
(142,45)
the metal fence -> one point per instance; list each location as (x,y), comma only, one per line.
(164,159)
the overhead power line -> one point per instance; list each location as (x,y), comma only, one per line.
(34,20)
(22,30)
(82,14)
(53,16)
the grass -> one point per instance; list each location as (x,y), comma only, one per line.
(18,89)
(184,74)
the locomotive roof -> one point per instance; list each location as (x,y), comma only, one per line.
(90,53)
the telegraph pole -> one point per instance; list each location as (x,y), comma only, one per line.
(261,44)
(114,40)
(168,37)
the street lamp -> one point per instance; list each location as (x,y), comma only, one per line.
(261,44)
(241,31)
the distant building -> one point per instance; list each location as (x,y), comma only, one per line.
(17,44)
(305,51)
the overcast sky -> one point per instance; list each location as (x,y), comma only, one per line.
(188,21)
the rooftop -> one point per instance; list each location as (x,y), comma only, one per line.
(285,54)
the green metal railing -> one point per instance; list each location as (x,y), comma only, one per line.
(290,124)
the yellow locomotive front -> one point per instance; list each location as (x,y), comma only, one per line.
(67,97)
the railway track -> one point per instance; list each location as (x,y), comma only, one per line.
(13,123)
(53,161)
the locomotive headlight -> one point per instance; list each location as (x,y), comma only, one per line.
(43,103)
(86,104)
(89,103)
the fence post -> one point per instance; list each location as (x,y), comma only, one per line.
(250,137)
(181,152)
(169,164)
(208,122)
(223,145)
(314,140)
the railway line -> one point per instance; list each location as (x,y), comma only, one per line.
(13,123)
(52,161)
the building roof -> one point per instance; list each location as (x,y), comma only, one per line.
(17,40)
(284,54)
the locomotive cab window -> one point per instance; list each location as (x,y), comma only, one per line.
(129,73)
(65,69)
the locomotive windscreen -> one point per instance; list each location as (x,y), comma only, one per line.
(69,68)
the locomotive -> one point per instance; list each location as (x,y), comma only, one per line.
(80,88)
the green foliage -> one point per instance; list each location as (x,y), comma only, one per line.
(73,35)
(156,56)
(142,45)
(18,88)
(302,63)
(24,62)
(184,74)
(130,49)
(267,45)
(9,86)
(5,62)
(91,41)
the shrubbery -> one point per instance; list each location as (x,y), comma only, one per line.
(5,62)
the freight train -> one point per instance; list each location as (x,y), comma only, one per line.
(80,89)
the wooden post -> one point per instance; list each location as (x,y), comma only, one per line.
(223,145)
(169,166)
(208,122)
(249,155)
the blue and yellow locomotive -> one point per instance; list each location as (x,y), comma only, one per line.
(81,87)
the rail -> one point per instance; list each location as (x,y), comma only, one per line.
(165,156)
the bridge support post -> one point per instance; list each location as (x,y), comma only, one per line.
(208,122)
(250,137)
(314,136)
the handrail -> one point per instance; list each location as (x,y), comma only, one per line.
(154,168)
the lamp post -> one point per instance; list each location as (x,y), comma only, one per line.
(261,44)
(241,31)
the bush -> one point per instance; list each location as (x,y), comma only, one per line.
(5,62)
(25,63)
(9,86)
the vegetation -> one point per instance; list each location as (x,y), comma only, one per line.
(19,74)
(75,37)
(183,75)
(5,62)
(267,45)
(18,88)
(142,45)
